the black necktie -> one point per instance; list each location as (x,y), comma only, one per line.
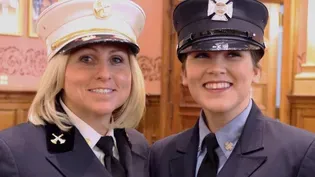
(106,144)
(209,165)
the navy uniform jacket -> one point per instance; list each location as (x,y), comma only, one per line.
(27,151)
(266,148)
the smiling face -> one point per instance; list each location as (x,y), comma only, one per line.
(220,81)
(97,80)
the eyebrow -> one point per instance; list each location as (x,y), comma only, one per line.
(115,50)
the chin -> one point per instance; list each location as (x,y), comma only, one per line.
(218,107)
(102,111)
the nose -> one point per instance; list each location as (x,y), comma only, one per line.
(216,66)
(104,72)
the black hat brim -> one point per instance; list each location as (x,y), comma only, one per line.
(219,44)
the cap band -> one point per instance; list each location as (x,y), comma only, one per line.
(216,33)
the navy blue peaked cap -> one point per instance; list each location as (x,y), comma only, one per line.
(214,25)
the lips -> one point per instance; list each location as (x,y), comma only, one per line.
(102,91)
(217,85)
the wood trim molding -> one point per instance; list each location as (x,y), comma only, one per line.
(16,97)
(165,108)
(289,62)
(306,100)
(304,79)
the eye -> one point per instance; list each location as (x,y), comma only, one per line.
(86,59)
(233,54)
(202,55)
(117,60)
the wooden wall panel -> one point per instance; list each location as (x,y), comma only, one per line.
(150,122)
(289,55)
(8,118)
(303,112)
(14,107)
(309,122)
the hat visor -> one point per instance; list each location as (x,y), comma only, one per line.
(96,39)
(210,44)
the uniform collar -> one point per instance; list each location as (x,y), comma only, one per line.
(90,135)
(227,136)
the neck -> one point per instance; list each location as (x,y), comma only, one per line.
(217,120)
(99,124)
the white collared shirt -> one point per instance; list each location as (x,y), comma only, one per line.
(89,134)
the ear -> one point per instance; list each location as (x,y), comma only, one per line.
(257,74)
(184,77)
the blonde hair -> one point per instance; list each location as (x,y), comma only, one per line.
(131,112)
(43,108)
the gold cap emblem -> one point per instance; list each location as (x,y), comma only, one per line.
(102,9)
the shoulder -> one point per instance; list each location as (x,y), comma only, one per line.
(288,138)
(22,135)
(285,131)
(296,143)
(162,151)
(169,143)
(14,142)
(19,131)
(135,137)
(138,141)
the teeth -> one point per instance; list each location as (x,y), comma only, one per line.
(222,85)
(102,90)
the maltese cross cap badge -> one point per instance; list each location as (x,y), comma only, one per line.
(221,9)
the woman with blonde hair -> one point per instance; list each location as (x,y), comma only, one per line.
(90,97)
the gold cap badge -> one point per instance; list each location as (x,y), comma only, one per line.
(102,9)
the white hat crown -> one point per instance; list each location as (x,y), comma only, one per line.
(67,20)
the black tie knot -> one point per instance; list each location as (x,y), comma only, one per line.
(210,142)
(113,165)
(106,144)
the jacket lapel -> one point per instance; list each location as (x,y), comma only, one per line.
(248,154)
(69,153)
(77,159)
(124,150)
(130,154)
(183,161)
